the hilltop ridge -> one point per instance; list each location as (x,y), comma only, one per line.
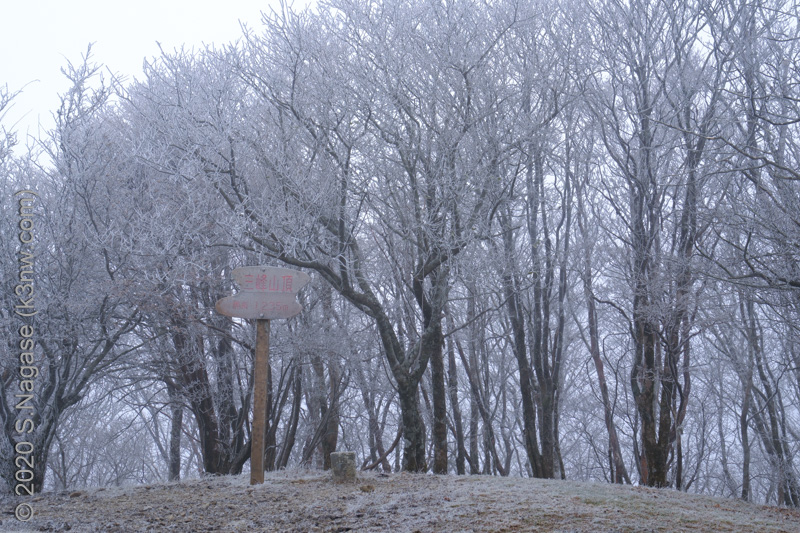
(307,500)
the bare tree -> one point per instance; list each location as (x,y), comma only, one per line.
(429,184)
(82,326)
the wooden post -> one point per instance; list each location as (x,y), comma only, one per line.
(259,402)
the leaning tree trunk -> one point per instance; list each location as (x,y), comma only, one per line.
(619,472)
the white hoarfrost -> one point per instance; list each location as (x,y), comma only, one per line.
(302,500)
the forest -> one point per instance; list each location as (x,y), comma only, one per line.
(545,239)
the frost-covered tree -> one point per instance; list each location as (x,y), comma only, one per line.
(82,325)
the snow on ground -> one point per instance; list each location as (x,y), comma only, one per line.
(303,500)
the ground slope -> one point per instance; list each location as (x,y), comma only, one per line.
(310,501)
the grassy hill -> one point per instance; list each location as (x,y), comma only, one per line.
(300,500)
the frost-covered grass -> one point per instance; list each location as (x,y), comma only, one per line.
(303,500)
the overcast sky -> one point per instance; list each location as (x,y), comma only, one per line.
(38,38)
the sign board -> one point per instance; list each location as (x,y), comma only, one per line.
(266,293)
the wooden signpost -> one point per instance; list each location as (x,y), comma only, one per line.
(267,293)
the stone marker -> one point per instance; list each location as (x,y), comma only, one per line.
(343,465)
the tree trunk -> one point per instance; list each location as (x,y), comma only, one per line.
(439,401)
(452,387)
(175,435)
(291,432)
(474,414)
(772,427)
(197,389)
(743,426)
(620,472)
(413,428)
(330,435)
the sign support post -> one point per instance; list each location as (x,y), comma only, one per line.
(259,429)
(267,293)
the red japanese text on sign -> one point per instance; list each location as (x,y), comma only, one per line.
(266,292)
(268,283)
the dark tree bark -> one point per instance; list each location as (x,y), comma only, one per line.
(452,389)
(327,405)
(744,425)
(294,419)
(527,389)
(434,347)
(413,429)
(482,409)
(223,451)
(768,413)
(176,429)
